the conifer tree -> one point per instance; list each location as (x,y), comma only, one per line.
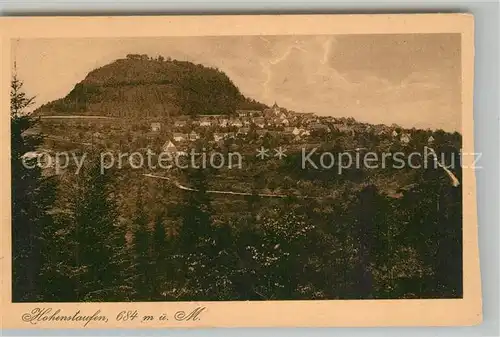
(100,259)
(161,250)
(32,197)
(196,213)
(194,242)
(142,247)
(365,215)
(58,247)
(434,230)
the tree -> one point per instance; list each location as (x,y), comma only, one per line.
(100,260)
(141,246)
(161,250)
(56,281)
(196,213)
(278,256)
(203,258)
(367,230)
(434,230)
(32,197)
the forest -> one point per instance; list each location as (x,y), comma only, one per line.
(118,236)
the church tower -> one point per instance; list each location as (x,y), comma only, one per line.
(276,108)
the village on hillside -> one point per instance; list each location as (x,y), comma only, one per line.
(178,133)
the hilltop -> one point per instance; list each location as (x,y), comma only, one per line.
(140,86)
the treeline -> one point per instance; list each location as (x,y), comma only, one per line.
(361,244)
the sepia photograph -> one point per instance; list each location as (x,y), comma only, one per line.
(236,168)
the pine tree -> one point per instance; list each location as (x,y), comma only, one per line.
(161,250)
(194,242)
(142,247)
(365,214)
(58,246)
(434,230)
(196,213)
(100,259)
(32,197)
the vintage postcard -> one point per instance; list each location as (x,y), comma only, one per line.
(238,171)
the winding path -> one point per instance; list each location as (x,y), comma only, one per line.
(185,188)
(454,181)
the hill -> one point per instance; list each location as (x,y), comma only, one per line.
(140,86)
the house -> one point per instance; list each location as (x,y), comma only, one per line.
(218,137)
(405,138)
(169,147)
(394,133)
(223,122)
(246,121)
(193,136)
(180,137)
(205,122)
(305,133)
(236,122)
(243,131)
(294,130)
(180,123)
(260,122)
(150,135)
(430,140)
(247,113)
(318,127)
(155,127)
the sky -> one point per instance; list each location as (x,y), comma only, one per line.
(412,80)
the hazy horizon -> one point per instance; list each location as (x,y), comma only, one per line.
(412,80)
